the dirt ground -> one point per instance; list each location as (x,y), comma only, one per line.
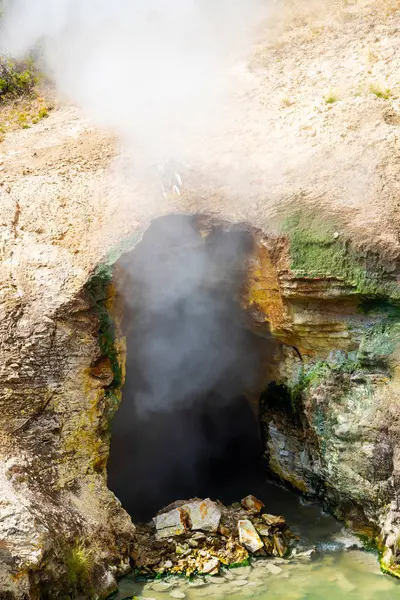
(314,118)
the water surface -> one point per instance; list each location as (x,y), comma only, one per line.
(339,569)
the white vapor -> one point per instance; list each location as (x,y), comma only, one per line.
(153,70)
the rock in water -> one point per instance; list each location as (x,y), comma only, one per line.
(210,535)
(248,536)
(273,569)
(170,524)
(279,546)
(203,515)
(210,566)
(177,594)
(273,520)
(252,504)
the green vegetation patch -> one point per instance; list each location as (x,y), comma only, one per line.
(377,345)
(98,291)
(17,78)
(380,92)
(318,250)
(79,562)
(97,288)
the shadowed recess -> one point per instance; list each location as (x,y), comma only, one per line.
(186,425)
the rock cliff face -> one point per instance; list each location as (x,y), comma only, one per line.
(329,415)
(61,374)
(329,409)
(322,287)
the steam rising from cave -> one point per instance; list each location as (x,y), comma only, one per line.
(153,70)
(184,426)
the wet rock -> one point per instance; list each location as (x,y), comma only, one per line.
(210,566)
(162,586)
(229,575)
(247,593)
(263,530)
(239,582)
(177,594)
(170,523)
(273,520)
(273,569)
(202,515)
(216,579)
(248,536)
(222,530)
(197,583)
(252,504)
(307,554)
(242,571)
(280,547)
(231,534)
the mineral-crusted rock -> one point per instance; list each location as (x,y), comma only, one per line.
(60,218)
(210,566)
(252,504)
(263,530)
(194,551)
(170,523)
(279,546)
(273,520)
(203,515)
(248,536)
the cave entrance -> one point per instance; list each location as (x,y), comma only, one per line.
(188,423)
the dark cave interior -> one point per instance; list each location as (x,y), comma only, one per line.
(186,426)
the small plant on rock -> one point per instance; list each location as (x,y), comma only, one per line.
(286,102)
(17,78)
(331,98)
(79,563)
(380,92)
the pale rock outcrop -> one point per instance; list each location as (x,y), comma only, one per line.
(324,289)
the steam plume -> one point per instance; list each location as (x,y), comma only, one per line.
(185,424)
(154,70)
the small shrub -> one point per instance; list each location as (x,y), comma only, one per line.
(286,102)
(331,98)
(17,78)
(380,92)
(79,562)
(43,113)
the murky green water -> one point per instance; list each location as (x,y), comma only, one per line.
(337,571)
(353,574)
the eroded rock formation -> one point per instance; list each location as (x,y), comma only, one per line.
(201,537)
(329,407)
(322,288)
